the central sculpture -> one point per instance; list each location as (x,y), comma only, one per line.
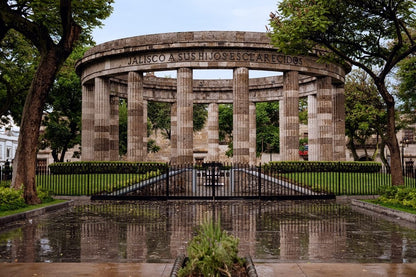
(116,69)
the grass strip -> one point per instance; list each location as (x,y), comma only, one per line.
(31,207)
(398,207)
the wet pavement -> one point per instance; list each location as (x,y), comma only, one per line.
(163,270)
(290,238)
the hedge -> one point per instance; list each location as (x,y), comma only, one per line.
(105,167)
(312,166)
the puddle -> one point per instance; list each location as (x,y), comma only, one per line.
(159,231)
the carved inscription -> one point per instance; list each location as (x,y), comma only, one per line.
(214,56)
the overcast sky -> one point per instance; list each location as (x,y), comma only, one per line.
(138,17)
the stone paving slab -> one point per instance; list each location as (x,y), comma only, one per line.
(164,269)
(335,270)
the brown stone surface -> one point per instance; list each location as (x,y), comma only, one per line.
(116,68)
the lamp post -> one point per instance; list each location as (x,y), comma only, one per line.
(404,143)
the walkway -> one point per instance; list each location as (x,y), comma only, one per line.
(163,270)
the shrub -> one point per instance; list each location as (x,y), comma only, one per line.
(212,252)
(11,199)
(105,167)
(398,195)
(311,166)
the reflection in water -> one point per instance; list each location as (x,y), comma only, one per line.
(159,231)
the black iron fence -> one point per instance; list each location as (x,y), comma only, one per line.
(210,181)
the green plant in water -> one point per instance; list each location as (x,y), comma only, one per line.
(212,252)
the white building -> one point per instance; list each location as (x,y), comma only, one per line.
(8,143)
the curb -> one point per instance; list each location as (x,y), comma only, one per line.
(33,213)
(385,211)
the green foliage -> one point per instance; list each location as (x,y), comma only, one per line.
(311,166)
(11,199)
(365,112)
(200,114)
(225,121)
(105,167)
(407,87)
(212,252)
(159,116)
(401,195)
(122,127)
(267,125)
(18,60)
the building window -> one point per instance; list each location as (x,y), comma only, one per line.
(409,135)
(8,152)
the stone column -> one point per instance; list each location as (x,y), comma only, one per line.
(87,134)
(312,129)
(185,116)
(289,120)
(339,123)
(114,126)
(253,134)
(324,117)
(145,138)
(240,115)
(102,120)
(213,133)
(173,133)
(135,126)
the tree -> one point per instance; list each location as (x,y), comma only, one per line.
(267,127)
(54,28)
(407,87)
(62,117)
(18,60)
(371,35)
(365,114)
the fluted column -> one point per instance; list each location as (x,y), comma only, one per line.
(339,123)
(324,117)
(213,132)
(87,134)
(173,133)
(102,119)
(240,115)
(135,122)
(253,134)
(312,129)
(185,116)
(114,128)
(289,122)
(145,138)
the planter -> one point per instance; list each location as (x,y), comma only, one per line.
(180,261)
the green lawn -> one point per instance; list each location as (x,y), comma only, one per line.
(342,183)
(29,208)
(89,184)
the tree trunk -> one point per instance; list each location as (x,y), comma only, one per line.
(24,165)
(393,145)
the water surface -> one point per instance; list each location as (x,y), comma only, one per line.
(159,231)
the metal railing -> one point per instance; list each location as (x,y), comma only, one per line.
(211,181)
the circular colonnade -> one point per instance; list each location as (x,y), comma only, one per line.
(117,69)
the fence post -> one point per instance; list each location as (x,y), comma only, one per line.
(213,180)
(259,182)
(167,180)
(339,178)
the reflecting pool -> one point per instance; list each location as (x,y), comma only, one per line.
(159,231)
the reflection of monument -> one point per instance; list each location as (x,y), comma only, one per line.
(116,70)
(98,240)
(136,249)
(293,239)
(326,238)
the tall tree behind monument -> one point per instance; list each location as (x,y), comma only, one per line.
(53,28)
(372,35)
